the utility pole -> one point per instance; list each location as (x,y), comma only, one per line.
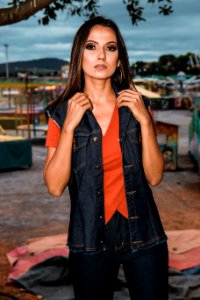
(7,72)
(7,66)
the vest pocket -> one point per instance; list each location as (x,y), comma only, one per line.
(79,152)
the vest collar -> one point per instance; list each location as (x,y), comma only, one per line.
(89,123)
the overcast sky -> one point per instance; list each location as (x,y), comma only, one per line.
(176,34)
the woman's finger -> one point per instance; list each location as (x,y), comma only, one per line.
(129,91)
(125,103)
(128,99)
(79,97)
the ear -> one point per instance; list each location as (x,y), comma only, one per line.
(119,63)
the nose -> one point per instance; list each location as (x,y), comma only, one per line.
(102,54)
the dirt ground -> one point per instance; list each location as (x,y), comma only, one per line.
(27,211)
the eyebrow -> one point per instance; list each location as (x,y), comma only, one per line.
(110,42)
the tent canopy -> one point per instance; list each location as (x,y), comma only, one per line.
(147,93)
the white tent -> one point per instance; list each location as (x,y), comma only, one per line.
(147,93)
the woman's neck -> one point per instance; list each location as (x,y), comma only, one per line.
(99,91)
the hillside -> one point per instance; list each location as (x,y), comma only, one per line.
(42,65)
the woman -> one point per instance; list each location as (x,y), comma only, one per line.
(106,152)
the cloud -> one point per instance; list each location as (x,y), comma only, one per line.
(175,34)
(57,46)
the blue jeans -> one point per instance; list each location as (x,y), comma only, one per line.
(94,274)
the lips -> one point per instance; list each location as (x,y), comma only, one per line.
(100,67)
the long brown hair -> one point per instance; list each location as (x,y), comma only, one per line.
(122,75)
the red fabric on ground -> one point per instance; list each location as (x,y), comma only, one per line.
(186,260)
(22,263)
(180,241)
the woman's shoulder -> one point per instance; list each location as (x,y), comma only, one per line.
(57,112)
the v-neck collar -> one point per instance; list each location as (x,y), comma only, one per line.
(111,121)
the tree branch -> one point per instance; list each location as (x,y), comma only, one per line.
(22,11)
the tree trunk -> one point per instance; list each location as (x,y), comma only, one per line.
(22,11)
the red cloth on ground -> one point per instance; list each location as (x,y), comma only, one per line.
(22,261)
(186,260)
(180,241)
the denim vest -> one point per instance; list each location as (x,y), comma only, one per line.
(86,228)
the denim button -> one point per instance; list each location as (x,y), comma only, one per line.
(131,192)
(101,242)
(100,217)
(95,138)
(98,193)
(97,167)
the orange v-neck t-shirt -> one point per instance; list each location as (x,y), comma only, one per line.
(114,189)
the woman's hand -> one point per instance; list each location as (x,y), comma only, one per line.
(133,100)
(77,106)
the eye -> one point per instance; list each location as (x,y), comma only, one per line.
(90,46)
(111,48)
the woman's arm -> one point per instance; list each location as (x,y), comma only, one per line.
(152,159)
(57,168)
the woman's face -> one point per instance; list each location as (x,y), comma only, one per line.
(100,56)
